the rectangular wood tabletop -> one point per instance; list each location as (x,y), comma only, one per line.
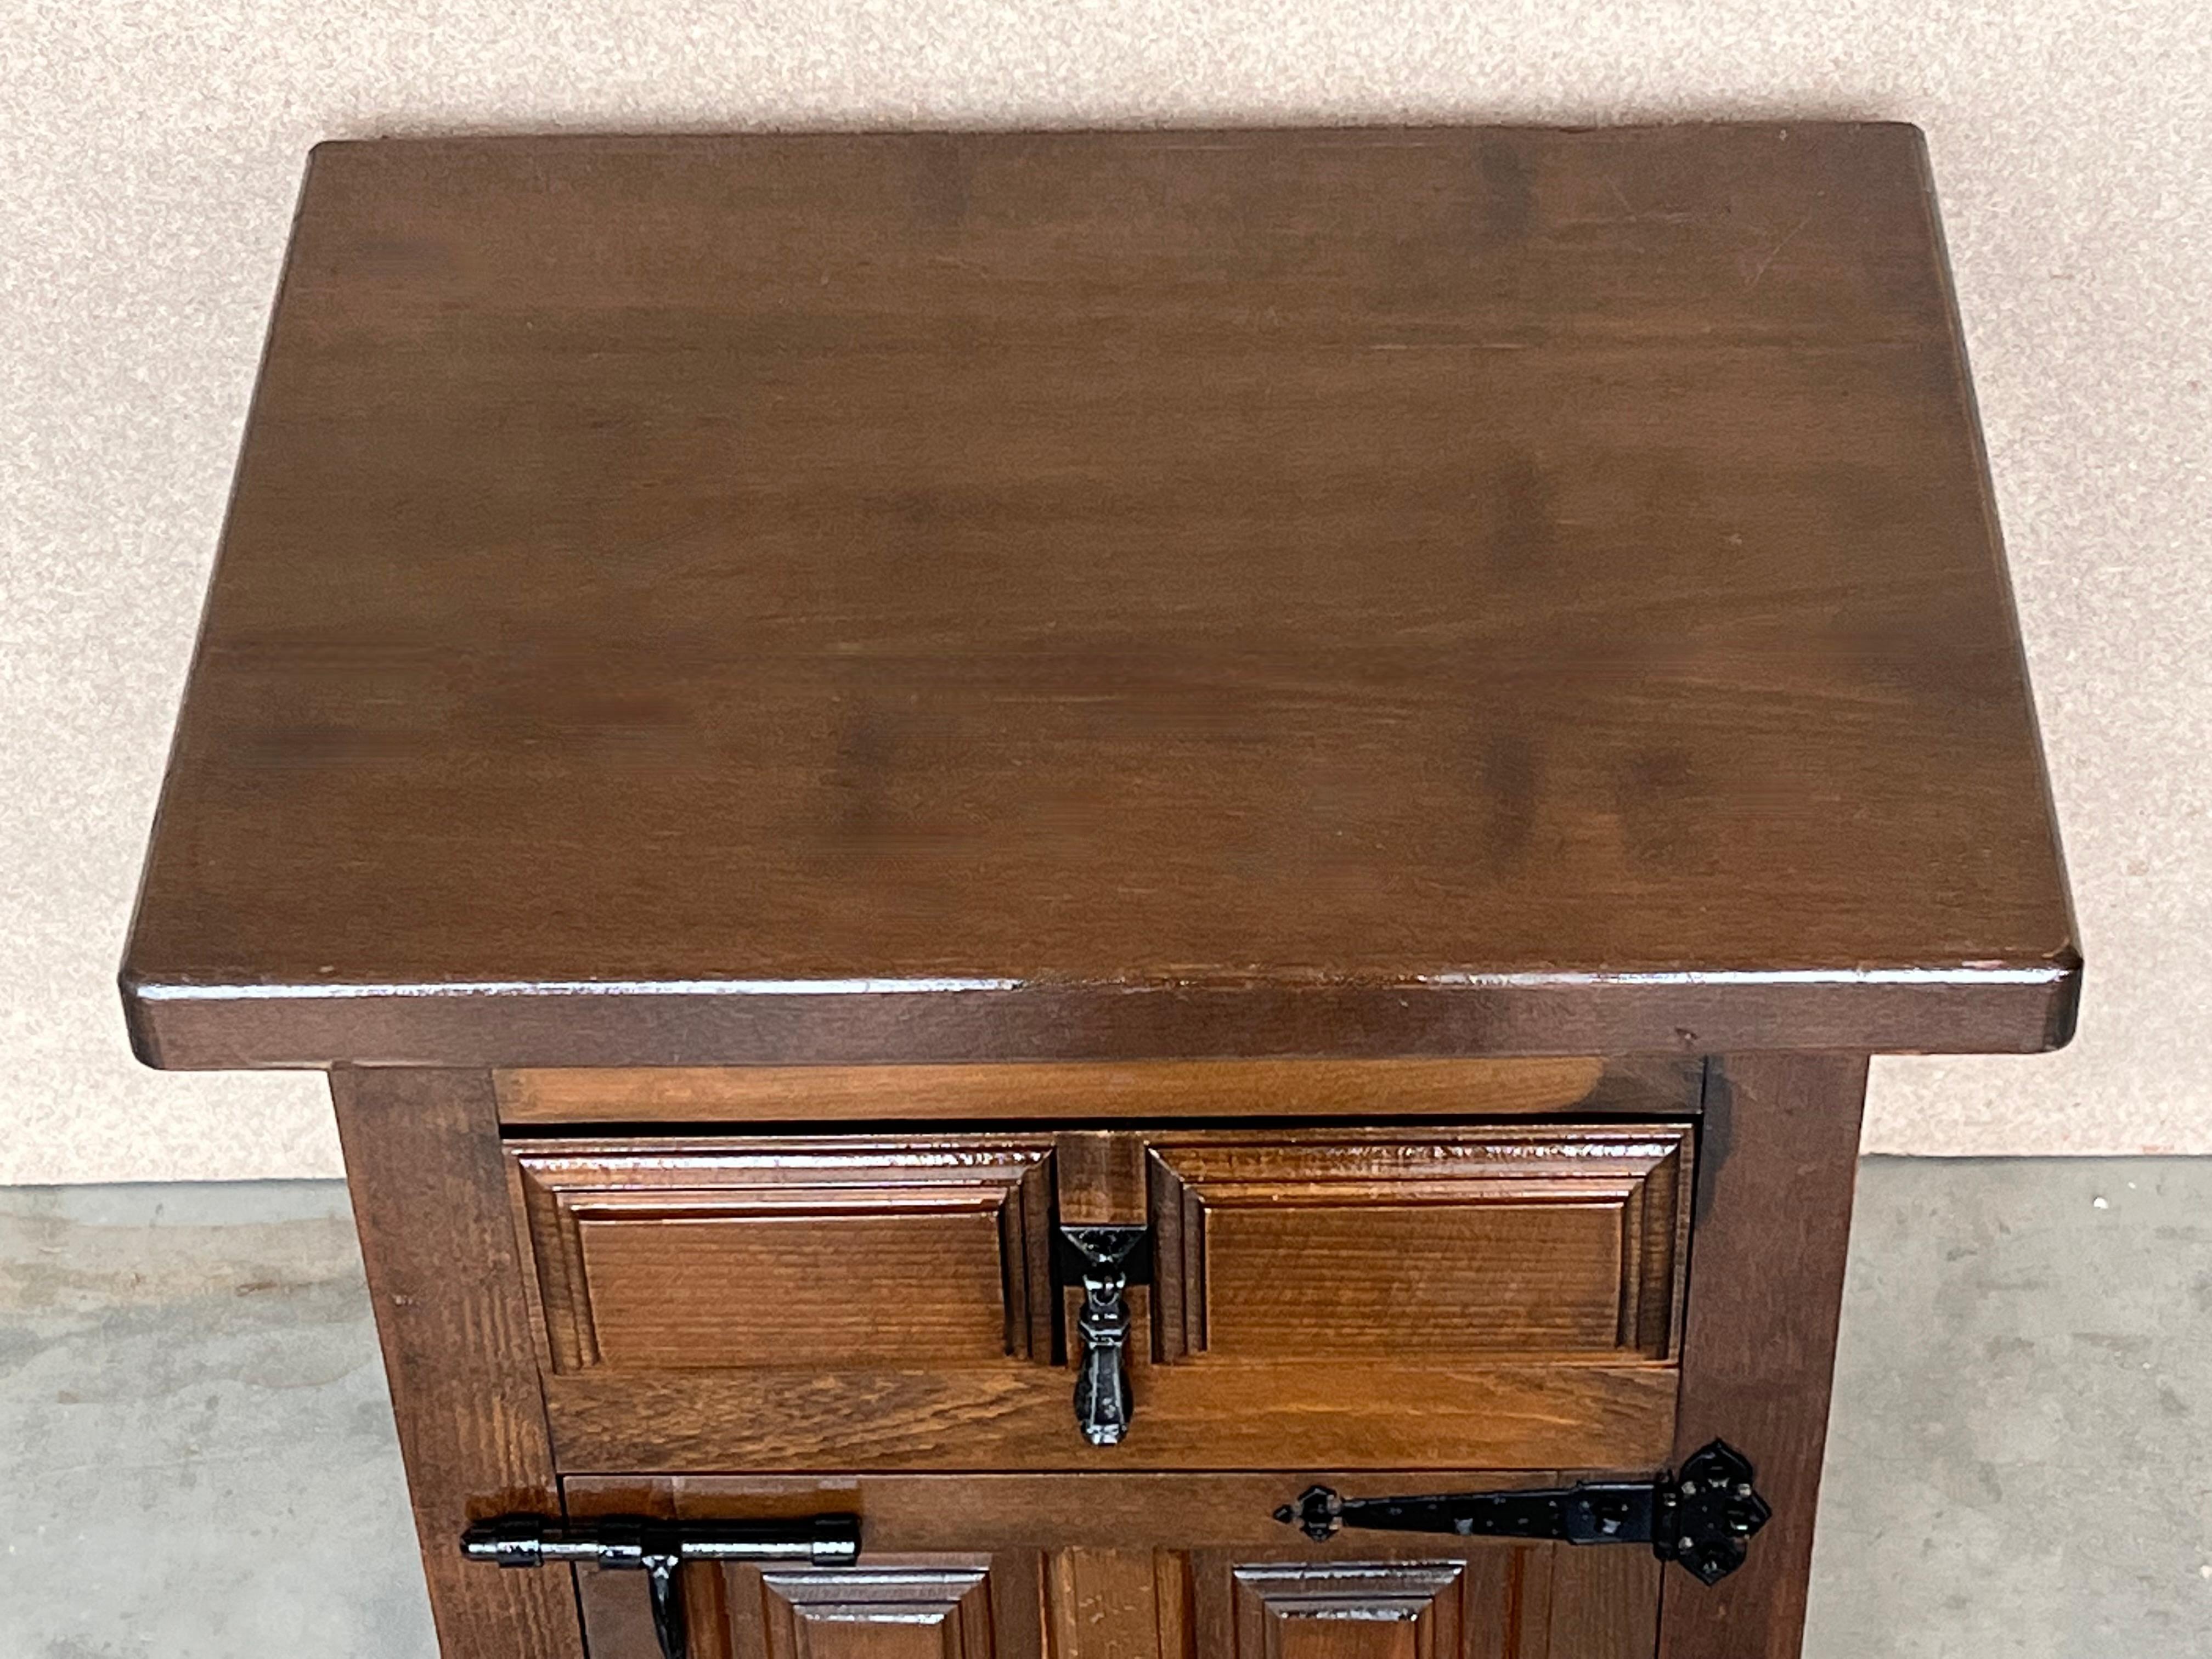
(706,600)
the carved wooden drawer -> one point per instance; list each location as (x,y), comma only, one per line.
(1502,1296)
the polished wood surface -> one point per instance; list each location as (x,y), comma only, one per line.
(1156,1088)
(1225,1589)
(430,1200)
(932,597)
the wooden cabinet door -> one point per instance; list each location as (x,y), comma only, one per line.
(1267,1594)
(1495,1601)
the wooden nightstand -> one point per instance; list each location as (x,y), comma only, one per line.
(1051,856)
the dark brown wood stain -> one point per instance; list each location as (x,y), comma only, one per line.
(1101,595)
(791,715)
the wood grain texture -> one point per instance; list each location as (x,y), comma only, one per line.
(1773,1225)
(1155,1089)
(430,1200)
(938,597)
(675,1254)
(1099,1178)
(1453,1246)
(1602,1603)
(1118,1604)
(1388,1414)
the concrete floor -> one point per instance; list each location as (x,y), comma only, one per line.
(199,1463)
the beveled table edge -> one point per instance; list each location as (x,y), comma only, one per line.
(1969,1008)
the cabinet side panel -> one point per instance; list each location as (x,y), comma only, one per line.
(1775,1174)
(430,1200)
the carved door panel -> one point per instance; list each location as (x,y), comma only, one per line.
(1480,1601)
(937,1606)
(1351,1610)
(944,1609)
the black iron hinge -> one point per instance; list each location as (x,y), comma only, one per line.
(659,1549)
(1701,1516)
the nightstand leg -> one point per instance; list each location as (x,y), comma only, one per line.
(430,1201)
(1776,1161)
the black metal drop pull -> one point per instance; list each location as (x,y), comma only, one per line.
(659,1549)
(1105,1258)
(664,1589)
(1700,1517)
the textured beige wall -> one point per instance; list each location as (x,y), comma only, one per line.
(148,153)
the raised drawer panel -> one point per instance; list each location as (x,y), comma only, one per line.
(1553,1242)
(832,1254)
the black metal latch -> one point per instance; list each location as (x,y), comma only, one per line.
(1701,1516)
(657,1548)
